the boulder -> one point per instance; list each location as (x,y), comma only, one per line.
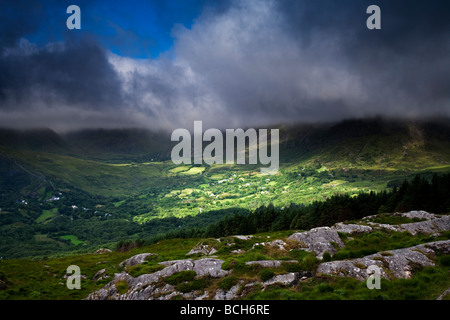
(438,224)
(287,279)
(227,295)
(143,287)
(397,263)
(318,240)
(137,259)
(418,215)
(352,229)
(204,249)
(427,227)
(101,274)
(102,251)
(270,263)
(444,294)
(243,237)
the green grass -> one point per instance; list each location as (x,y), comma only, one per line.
(43,279)
(194,170)
(73,239)
(426,284)
(180,169)
(47,214)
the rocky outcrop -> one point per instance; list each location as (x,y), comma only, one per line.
(270,263)
(318,240)
(100,275)
(228,295)
(137,259)
(444,294)
(145,286)
(204,249)
(102,251)
(427,227)
(352,229)
(287,279)
(438,224)
(203,267)
(243,237)
(392,264)
(418,215)
(399,263)
(280,244)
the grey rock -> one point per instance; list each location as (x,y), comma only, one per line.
(205,249)
(356,268)
(67,275)
(243,237)
(318,240)
(352,228)
(442,296)
(428,226)
(438,224)
(100,275)
(137,259)
(270,263)
(227,295)
(418,214)
(397,263)
(287,279)
(280,244)
(102,251)
(143,288)
(210,267)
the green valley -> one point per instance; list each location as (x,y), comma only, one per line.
(56,185)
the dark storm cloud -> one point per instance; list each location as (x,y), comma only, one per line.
(241,63)
(316,60)
(75,72)
(407,62)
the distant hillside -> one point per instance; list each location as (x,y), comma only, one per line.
(121,143)
(369,143)
(43,140)
(77,191)
(101,144)
(357,142)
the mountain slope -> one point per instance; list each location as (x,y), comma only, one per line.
(60,193)
(271,265)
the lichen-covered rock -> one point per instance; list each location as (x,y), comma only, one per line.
(270,263)
(137,259)
(318,240)
(143,288)
(427,227)
(287,279)
(444,294)
(280,244)
(352,228)
(355,268)
(102,251)
(200,248)
(101,274)
(438,224)
(418,215)
(397,263)
(227,295)
(243,237)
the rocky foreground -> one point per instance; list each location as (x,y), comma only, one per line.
(399,263)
